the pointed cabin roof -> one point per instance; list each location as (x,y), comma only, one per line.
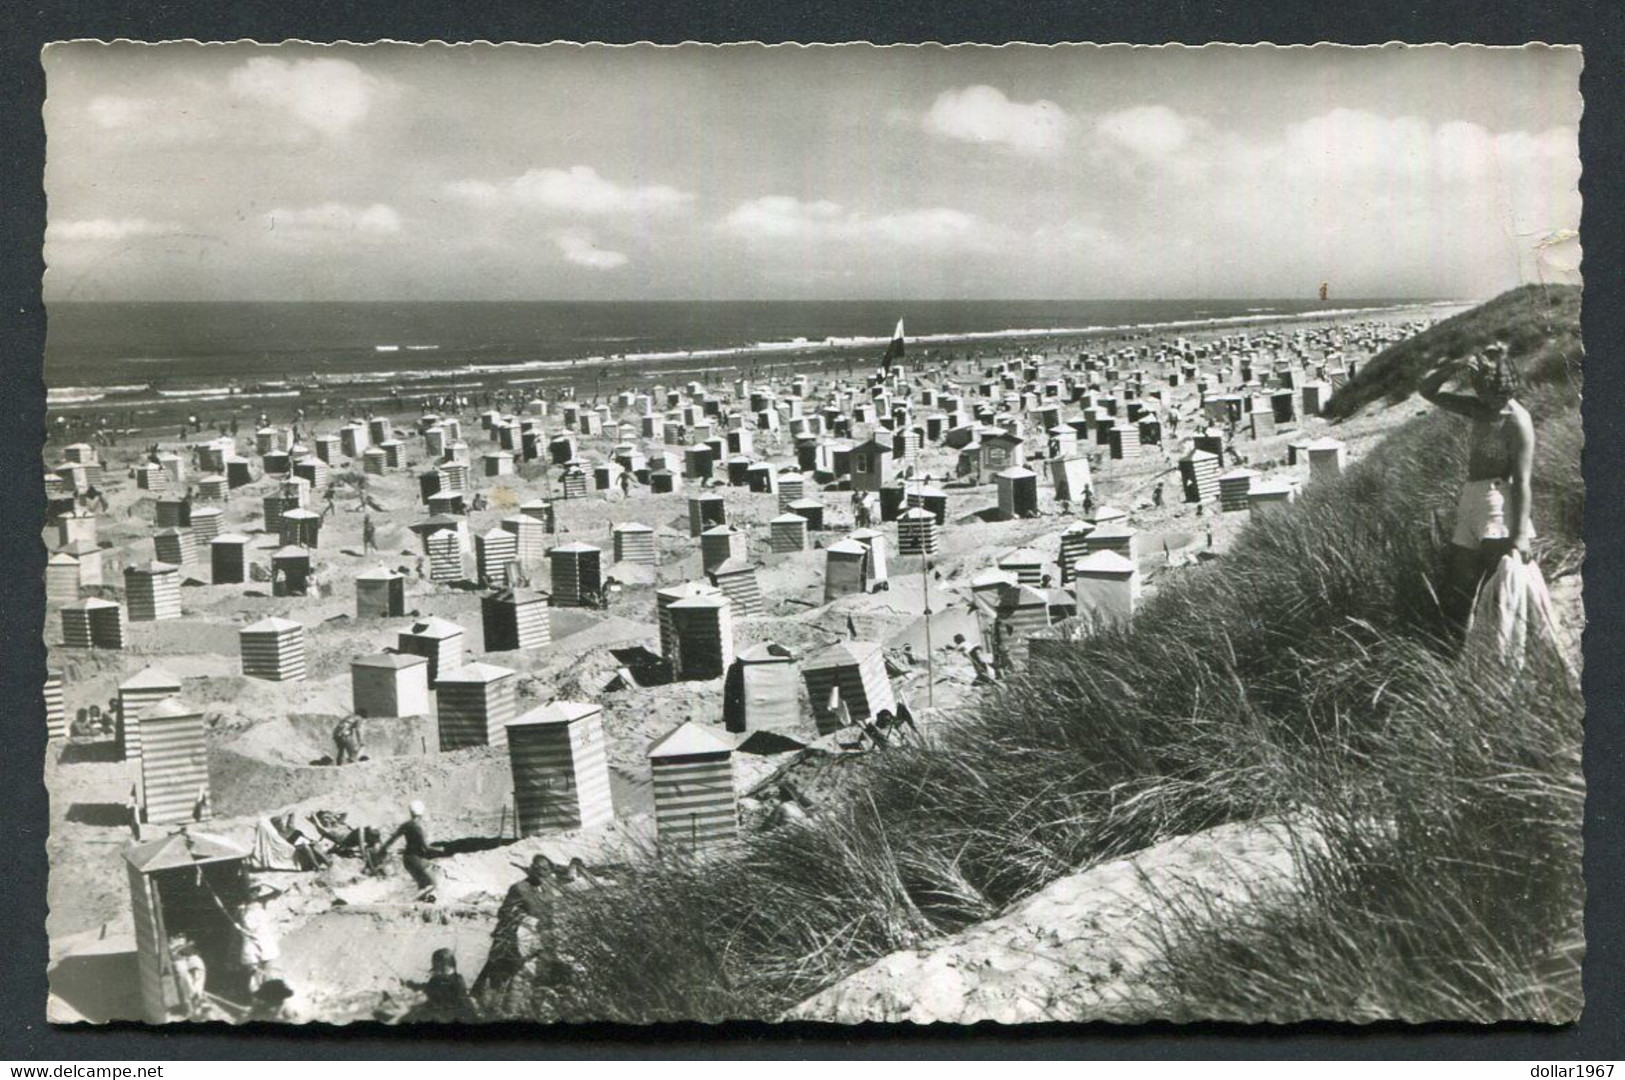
(434,627)
(475,672)
(689,740)
(392,661)
(559,712)
(180,850)
(151,678)
(1103,564)
(842,654)
(272,625)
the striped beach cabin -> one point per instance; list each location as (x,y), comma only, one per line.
(93,623)
(693,774)
(494,552)
(146,687)
(576,574)
(474,705)
(152,591)
(515,619)
(701,636)
(560,766)
(634,543)
(273,649)
(737,580)
(56,721)
(847,683)
(1234,487)
(174,764)
(176,546)
(437,640)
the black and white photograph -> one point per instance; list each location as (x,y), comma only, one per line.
(567,533)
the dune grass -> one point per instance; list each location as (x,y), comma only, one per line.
(1540,325)
(1309,672)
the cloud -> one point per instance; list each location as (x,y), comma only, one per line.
(109,229)
(578,247)
(982,114)
(331,222)
(578,190)
(786,218)
(1149,130)
(328,95)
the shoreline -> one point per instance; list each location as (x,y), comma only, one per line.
(830,351)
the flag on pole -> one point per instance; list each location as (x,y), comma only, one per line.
(894,351)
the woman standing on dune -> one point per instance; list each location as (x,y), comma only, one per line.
(1494,514)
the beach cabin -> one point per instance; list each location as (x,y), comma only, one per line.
(439,641)
(1018,493)
(380,593)
(146,687)
(515,619)
(1234,487)
(314,470)
(761,691)
(1270,495)
(811,510)
(1019,612)
(664,482)
(542,511)
(152,591)
(56,720)
(1326,457)
(845,569)
(273,649)
(174,788)
(929,498)
(701,635)
(1199,476)
(1112,536)
(847,683)
(389,684)
(494,552)
(736,578)
(874,567)
(1074,546)
(475,705)
(174,881)
(76,527)
(1070,476)
(173,512)
(62,579)
(721,544)
(290,571)
(530,538)
(444,550)
(705,511)
(787,534)
(576,574)
(92,623)
(1125,442)
(1107,587)
(228,559)
(872,466)
(1025,564)
(792,487)
(632,542)
(212,488)
(560,768)
(695,805)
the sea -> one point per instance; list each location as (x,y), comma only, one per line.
(127,355)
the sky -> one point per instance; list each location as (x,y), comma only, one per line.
(394,172)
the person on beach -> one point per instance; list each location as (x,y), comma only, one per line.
(417,850)
(524,931)
(369,535)
(347,740)
(1494,515)
(259,949)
